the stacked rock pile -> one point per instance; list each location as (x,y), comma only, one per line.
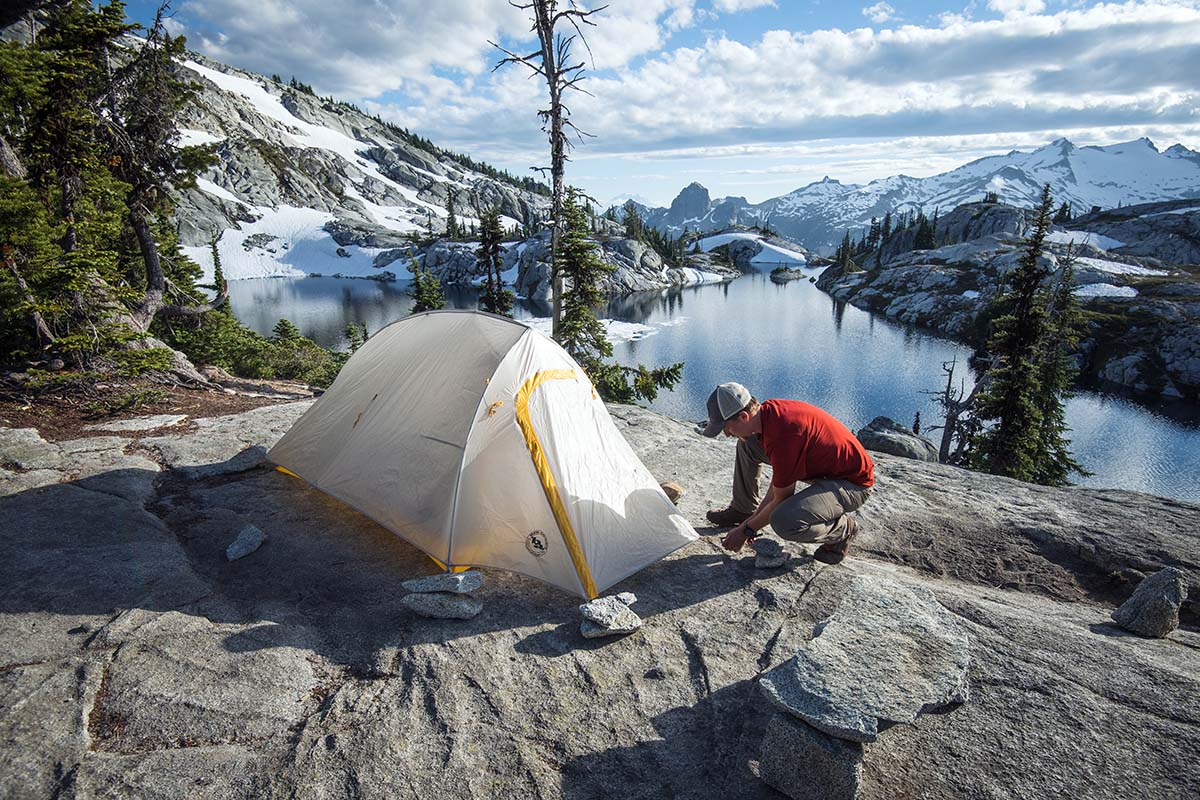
(609,616)
(769,553)
(888,654)
(444,596)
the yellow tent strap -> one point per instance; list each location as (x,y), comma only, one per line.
(547,478)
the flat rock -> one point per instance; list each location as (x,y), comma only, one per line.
(138,423)
(888,654)
(769,553)
(673,491)
(455,582)
(609,616)
(1153,610)
(249,539)
(806,764)
(442,605)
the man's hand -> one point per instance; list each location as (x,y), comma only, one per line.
(736,538)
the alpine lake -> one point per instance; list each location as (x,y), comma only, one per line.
(786,340)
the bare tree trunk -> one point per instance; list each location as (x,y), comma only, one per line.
(41,330)
(10,162)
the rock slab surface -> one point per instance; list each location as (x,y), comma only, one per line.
(249,539)
(1153,610)
(805,764)
(457,583)
(888,653)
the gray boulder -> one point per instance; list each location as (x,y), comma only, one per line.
(609,616)
(888,654)
(454,582)
(806,764)
(442,605)
(249,539)
(1153,610)
(888,436)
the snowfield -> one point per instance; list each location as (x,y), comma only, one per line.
(1084,237)
(771,254)
(1115,267)
(1105,290)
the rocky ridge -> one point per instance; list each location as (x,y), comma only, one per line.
(1143,319)
(137,661)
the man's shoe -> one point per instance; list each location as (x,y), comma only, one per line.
(834,552)
(727,517)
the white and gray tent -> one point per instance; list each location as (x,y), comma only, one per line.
(482,442)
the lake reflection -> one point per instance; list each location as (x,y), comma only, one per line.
(789,340)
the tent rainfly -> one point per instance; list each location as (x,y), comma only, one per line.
(482,442)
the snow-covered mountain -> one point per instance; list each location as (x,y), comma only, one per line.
(817,215)
(309,185)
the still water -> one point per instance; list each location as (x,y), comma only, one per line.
(789,340)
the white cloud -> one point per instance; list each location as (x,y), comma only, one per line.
(880,12)
(1013,7)
(732,6)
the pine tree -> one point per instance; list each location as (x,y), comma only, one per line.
(426,290)
(924,239)
(495,298)
(1024,399)
(285,331)
(1063,216)
(634,229)
(451,220)
(582,335)
(886,231)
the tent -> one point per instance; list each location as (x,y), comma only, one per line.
(482,442)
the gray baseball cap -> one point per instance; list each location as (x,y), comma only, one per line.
(725,402)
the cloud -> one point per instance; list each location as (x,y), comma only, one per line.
(880,12)
(1012,7)
(732,6)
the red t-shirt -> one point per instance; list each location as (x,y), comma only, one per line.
(806,443)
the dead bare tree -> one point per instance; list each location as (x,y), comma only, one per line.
(955,403)
(553,62)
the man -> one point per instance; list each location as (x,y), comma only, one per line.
(801,443)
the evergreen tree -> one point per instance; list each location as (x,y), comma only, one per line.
(1024,399)
(451,220)
(582,334)
(634,229)
(1063,216)
(285,331)
(495,298)
(356,336)
(924,239)
(885,232)
(426,290)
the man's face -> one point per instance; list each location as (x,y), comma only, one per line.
(738,425)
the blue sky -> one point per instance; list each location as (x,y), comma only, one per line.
(748,97)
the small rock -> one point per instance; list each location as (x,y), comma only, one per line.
(249,539)
(655,674)
(608,616)
(806,764)
(1153,610)
(343,252)
(888,436)
(455,582)
(673,491)
(442,605)
(56,365)
(769,553)
(628,598)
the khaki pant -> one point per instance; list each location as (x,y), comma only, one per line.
(815,514)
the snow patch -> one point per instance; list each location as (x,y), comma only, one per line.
(1115,267)
(219,191)
(1084,237)
(1105,290)
(616,330)
(191,138)
(970,294)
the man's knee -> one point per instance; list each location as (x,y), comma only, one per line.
(797,527)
